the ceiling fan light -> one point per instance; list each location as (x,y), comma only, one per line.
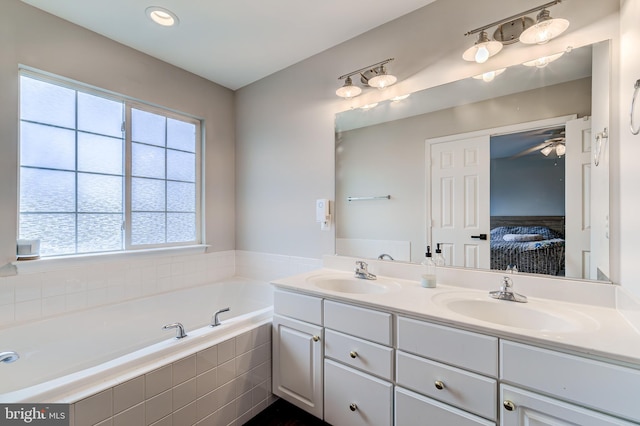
(348,90)
(369,106)
(543,61)
(400,97)
(546,150)
(489,76)
(544,30)
(482,50)
(561,149)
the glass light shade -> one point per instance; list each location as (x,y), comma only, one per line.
(369,106)
(561,149)
(400,97)
(489,76)
(383,80)
(544,30)
(544,61)
(348,90)
(482,50)
(546,150)
(162,16)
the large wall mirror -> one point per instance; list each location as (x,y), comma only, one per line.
(509,170)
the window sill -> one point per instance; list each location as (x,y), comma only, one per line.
(64,262)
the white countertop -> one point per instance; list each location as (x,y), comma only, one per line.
(607,333)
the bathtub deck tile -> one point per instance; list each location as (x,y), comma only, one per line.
(134,416)
(158,381)
(184,393)
(226,350)
(94,409)
(207,359)
(186,415)
(184,370)
(128,394)
(158,407)
(206,382)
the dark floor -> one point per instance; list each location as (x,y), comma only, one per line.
(281,413)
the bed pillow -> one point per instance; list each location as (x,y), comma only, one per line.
(522,237)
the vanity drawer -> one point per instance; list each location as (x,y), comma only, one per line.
(361,322)
(412,409)
(298,306)
(609,388)
(469,391)
(465,349)
(353,398)
(361,354)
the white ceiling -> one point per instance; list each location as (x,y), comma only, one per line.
(231,42)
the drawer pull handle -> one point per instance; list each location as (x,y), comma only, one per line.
(353,354)
(353,407)
(316,338)
(508,405)
(439,385)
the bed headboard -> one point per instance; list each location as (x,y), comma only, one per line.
(555,223)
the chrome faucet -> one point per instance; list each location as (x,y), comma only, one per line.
(506,292)
(214,320)
(362,272)
(383,255)
(9,357)
(179,329)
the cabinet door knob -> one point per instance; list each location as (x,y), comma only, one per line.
(439,384)
(508,405)
(353,354)
(316,338)
(353,407)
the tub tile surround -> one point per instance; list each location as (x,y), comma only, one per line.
(42,290)
(225,383)
(615,337)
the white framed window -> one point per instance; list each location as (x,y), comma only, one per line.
(100,172)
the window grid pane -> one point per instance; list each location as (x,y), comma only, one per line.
(72,174)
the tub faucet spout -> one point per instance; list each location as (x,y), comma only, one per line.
(215,321)
(179,329)
(9,357)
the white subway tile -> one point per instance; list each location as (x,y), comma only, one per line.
(7,314)
(226,372)
(128,394)
(206,382)
(30,310)
(207,359)
(185,393)
(186,415)
(206,405)
(226,350)
(76,301)
(27,290)
(227,413)
(158,407)
(184,369)
(134,416)
(94,409)
(158,381)
(7,292)
(53,305)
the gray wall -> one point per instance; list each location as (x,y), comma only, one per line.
(31,37)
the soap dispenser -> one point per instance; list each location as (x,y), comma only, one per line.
(428,275)
(438,259)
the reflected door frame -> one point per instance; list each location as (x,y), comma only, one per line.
(514,128)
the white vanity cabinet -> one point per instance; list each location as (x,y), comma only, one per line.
(579,390)
(297,350)
(445,373)
(358,366)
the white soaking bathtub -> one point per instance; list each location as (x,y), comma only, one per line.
(66,358)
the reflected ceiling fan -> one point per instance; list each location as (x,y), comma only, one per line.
(554,141)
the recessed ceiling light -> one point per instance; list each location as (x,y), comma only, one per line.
(162,16)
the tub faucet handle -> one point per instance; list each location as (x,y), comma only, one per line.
(215,321)
(179,329)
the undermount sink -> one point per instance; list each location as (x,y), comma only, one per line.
(530,316)
(347,284)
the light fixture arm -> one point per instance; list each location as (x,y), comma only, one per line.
(513,17)
(370,67)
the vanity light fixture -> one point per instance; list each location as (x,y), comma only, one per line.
(545,29)
(515,28)
(162,16)
(482,50)
(374,76)
(489,75)
(369,106)
(400,97)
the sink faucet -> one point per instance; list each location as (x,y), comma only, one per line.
(506,292)
(362,272)
(179,329)
(383,255)
(215,321)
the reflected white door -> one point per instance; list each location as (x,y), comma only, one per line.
(460,200)
(578,198)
